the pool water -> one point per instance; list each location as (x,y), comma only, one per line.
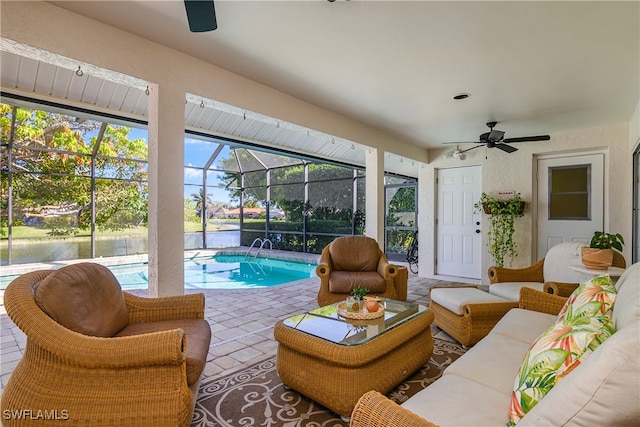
(216,272)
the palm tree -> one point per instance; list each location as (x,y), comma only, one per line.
(202,201)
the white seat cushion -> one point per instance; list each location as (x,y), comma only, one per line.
(511,290)
(523,325)
(454,299)
(494,362)
(457,401)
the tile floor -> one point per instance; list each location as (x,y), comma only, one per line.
(241,322)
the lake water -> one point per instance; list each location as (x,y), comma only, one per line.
(30,251)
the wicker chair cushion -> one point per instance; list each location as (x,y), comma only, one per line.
(511,290)
(85,298)
(558,258)
(198,335)
(354,253)
(343,282)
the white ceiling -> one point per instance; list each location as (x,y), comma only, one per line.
(535,67)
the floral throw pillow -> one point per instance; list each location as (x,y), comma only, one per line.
(582,325)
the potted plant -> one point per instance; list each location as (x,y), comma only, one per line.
(356,301)
(599,254)
(502,214)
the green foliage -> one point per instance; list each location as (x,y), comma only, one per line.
(359,292)
(602,240)
(190,213)
(52,160)
(503,213)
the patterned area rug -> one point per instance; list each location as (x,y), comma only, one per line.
(256,397)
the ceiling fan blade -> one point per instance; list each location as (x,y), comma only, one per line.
(528,138)
(201,15)
(469,149)
(506,148)
(462,142)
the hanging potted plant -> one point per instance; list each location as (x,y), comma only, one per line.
(502,214)
(599,254)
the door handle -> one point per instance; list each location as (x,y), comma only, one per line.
(477,222)
(478,231)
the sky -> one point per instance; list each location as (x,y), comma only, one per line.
(197,153)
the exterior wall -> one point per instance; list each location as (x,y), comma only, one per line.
(516,171)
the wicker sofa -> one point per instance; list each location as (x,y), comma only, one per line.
(98,356)
(475,390)
(351,261)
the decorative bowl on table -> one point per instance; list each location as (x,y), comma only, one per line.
(362,313)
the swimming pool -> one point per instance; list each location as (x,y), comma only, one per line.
(216,272)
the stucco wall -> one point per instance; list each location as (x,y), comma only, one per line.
(502,171)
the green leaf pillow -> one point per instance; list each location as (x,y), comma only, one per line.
(582,325)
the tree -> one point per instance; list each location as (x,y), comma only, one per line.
(52,160)
(202,200)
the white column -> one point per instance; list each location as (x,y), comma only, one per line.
(426,211)
(166,189)
(374,204)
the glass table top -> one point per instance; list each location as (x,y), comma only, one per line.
(326,323)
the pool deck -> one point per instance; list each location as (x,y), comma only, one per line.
(241,321)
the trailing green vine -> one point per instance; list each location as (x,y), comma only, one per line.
(502,214)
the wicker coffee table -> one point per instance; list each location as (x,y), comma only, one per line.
(334,360)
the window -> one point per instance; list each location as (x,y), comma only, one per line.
(570,193)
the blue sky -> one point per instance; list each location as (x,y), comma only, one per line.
(197,153)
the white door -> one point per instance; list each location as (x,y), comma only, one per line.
(570,199)
(458,226)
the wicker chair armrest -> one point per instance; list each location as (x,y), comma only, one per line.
(531,299)
(386,269)
(323,270)
(177,307)
(560,289)
(375,410)
(489,309)
(157,348)
(324,263)
(533,273)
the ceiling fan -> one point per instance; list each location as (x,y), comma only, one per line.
(496,139)
(201,15)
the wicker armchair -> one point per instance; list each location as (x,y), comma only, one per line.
(351,261)
(113,359)
(550,274)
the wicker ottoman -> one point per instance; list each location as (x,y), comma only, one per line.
(467,313)
(336,375)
